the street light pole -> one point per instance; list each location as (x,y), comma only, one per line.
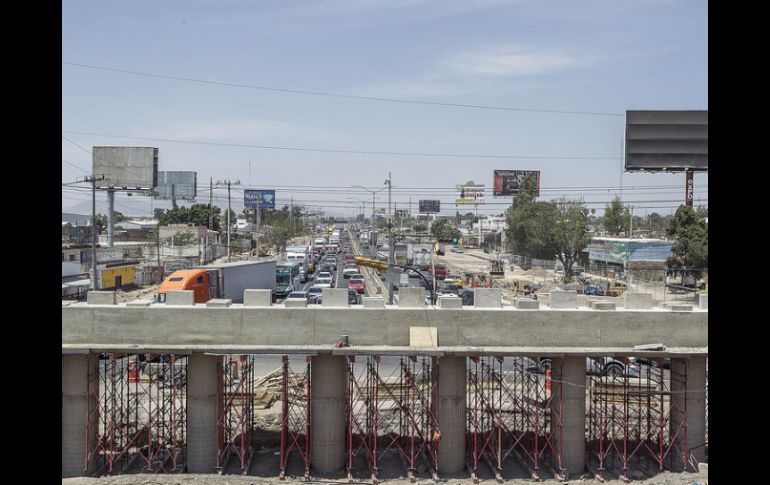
(374,246)
(228,184)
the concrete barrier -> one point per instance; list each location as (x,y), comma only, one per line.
(219,303)
(603,305)
(703,301)
(257,297)
(101,298)
(374,302)
(487,298)
(411,297)
(180,298)
(446,302)
(295,303)
(140,303)
(526,304)
(334,297)
(563,299)
(637,301)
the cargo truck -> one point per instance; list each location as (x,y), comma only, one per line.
(226,280)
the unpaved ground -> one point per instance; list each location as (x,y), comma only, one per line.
(666,478)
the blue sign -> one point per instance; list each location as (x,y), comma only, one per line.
(263,198)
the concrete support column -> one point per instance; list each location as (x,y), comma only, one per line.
(569,400)
(452,391)
(202,412)
(688,395)
(76,439)
(328,408)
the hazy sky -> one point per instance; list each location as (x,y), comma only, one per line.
(586,56)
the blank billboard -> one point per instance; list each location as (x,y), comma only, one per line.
(126,167)
(179,185)
(667,140)
(507,182)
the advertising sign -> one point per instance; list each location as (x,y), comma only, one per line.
(470,194)
(402,213)
(430,206)
(664,140)
(178,185)
(264,198)
(507,182)
(126,167)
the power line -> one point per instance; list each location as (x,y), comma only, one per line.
(77,167)
(353,152)
(339,95)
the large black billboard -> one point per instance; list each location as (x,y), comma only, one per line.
(430,206)
(672,141)
(507,182)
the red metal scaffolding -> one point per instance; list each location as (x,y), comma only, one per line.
(636,421)
(511,412)
(395,410)
(235,411)
(138,407)
(295,415)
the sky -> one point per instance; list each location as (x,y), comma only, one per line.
(565,70)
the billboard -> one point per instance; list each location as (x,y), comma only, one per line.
(470,194)
(430,206)
(667,140)
(265,198)
(507,182)
(126,167)
(180,185)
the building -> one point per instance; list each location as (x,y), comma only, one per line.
(618,254)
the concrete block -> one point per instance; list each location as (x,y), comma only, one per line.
(679,307)
(374,302)
(526,304)
(180,298)
(603,305)
(101,297)
(139,303)
(411,297)
(67,302)
(423,336)
(703,301)
(295,303)
(219,303)
(488,298)
(334,297)
(257,297)
(637,301)
(445,301)
(563,299)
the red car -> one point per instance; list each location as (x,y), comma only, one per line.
(441,272)
(358,285)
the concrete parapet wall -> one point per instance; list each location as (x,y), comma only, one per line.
(139,303)
(257,297)
(411,297)
(703,301)
(180,298)
(102,327)
(334,297)
(101,297)
(563,299)
(219,303)
(487,298)
(603,305)
(526,304)
(637,301)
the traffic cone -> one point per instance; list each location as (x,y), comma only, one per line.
(133,372)
(548,379)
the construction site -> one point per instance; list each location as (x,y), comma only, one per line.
(383,393)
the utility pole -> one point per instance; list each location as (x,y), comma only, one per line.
(110,220)
(94,236)
(374,246)
(391,248)
(228,183)
(631,229)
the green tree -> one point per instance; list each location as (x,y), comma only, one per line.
(560,228)
(442,229)
(118,216)
(518,214)
(691,245)
(617,217)
(420,227)
(101,223)
(279,234)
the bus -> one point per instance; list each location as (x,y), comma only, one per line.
(301,256)
(285,274)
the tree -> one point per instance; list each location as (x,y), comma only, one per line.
(691,245)
(517,215)
(443,230)
(100,223)
(279,234)
(560,228)
(420,227)
(118,216)
(617,217)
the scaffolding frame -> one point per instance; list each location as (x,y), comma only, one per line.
(137,411)
(635,421)
(235,411)
(512,412)
(295,415)
(398,411)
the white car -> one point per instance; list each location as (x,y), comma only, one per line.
(324,280)
(350,271)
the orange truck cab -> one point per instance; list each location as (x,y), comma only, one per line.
(197,280)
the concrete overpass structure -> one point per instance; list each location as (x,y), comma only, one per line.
(452,337)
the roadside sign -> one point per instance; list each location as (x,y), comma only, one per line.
(265,198)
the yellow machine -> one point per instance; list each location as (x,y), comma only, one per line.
(118,276)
